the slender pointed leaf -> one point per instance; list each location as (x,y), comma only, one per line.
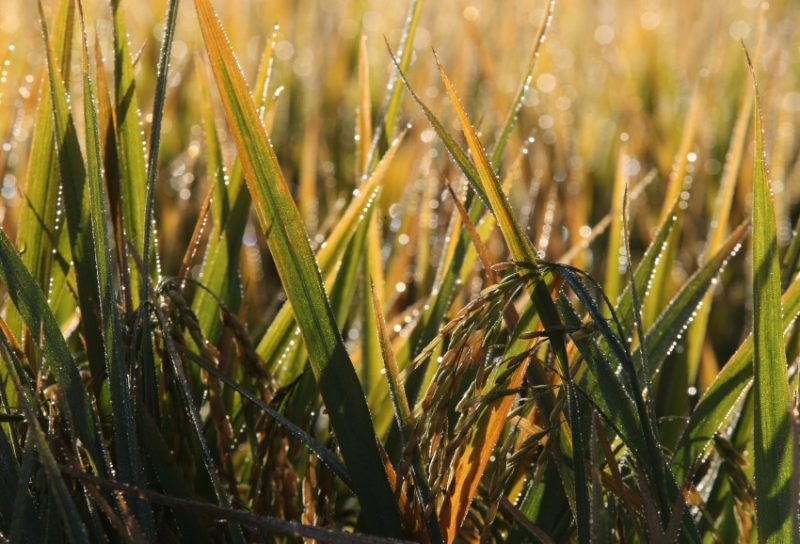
(302,281)
(387,124)
(37,228)
(130,142)
(128,457)
(675,318)
(773,432)
(73,176)
(32,306)
(283,325)
(718,405)
(225,242)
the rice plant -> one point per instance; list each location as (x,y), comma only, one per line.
(362,272)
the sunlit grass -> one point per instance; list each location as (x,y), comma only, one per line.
(453,271)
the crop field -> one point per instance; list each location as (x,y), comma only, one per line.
(362,271)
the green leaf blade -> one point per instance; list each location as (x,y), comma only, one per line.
(773,434)
(37,236)
(127,448)
(302,281)
(31,304)
(130,143)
